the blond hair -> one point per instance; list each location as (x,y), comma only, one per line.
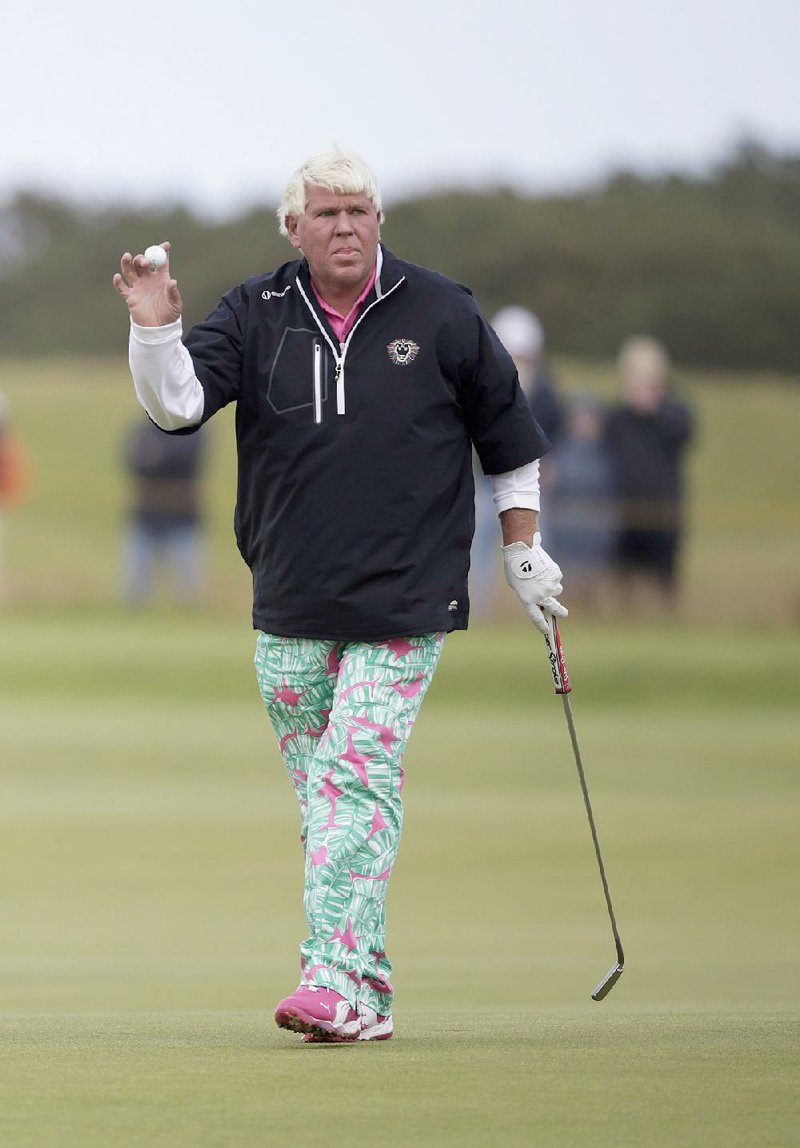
(642,354)
(336,171)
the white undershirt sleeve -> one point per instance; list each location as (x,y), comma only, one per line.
(517,488)
(163,376)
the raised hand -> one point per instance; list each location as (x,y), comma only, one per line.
(152,297)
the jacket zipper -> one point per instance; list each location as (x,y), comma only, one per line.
(339,355)
(317,381)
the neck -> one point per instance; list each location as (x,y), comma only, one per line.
(341,298)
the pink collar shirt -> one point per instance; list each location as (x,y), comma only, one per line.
(343,324)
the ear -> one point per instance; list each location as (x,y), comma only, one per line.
(291,228)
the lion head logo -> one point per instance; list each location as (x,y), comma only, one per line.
(402,351)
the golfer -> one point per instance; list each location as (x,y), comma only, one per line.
(361,383)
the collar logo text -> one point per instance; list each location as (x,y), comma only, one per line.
(267,295)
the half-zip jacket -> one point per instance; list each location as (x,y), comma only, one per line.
(355,501)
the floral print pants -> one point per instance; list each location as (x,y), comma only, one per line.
(342,713)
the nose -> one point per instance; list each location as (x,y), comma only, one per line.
(344,224)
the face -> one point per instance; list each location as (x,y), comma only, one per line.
(586,423)
(339,235)
(644,388)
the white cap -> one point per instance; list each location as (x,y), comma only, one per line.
(519,331)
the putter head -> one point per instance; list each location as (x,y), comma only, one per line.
(608,982)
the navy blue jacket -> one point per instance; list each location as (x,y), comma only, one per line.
(355,505)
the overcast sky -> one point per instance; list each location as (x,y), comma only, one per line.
(214,103)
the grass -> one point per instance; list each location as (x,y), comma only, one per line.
(150,872)
(567,1079)
(150,878)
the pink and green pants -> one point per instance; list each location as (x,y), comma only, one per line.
(342,713)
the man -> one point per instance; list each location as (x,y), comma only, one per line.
(13,476)
(522,335)
(360,382)
(648,432)
(164,519)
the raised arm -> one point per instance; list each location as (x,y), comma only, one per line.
(163,372)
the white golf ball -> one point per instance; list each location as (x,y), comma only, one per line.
(156,256)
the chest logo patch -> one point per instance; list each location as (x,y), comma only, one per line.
(402,351)
(267,295)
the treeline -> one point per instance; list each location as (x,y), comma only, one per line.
(708,263)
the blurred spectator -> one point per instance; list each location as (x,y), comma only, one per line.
(483,569)
(13,476)
(164,520)
(521,333)
(581,527)
(648,431)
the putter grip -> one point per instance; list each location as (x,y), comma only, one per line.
(555,655)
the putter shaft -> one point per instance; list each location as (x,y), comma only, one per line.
(563,686)
(585,791)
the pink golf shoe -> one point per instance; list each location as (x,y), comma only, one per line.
(373,1027)
(320,1013)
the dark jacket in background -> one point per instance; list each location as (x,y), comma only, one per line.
(646,454)
(165,470)
(547,406)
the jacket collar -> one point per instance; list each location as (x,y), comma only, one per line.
(389,273)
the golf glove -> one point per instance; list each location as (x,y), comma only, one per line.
(535,579)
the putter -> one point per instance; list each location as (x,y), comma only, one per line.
(558,668)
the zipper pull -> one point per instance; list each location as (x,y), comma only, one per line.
(340,387)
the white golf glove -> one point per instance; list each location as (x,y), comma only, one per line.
(535,579)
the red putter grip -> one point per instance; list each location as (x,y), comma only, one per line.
(555,654)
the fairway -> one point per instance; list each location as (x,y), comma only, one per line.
(150,868)
(151,885)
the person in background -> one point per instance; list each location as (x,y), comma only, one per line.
(582,515)
(164,519)
(648,432)
(13,476)
(522,335)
